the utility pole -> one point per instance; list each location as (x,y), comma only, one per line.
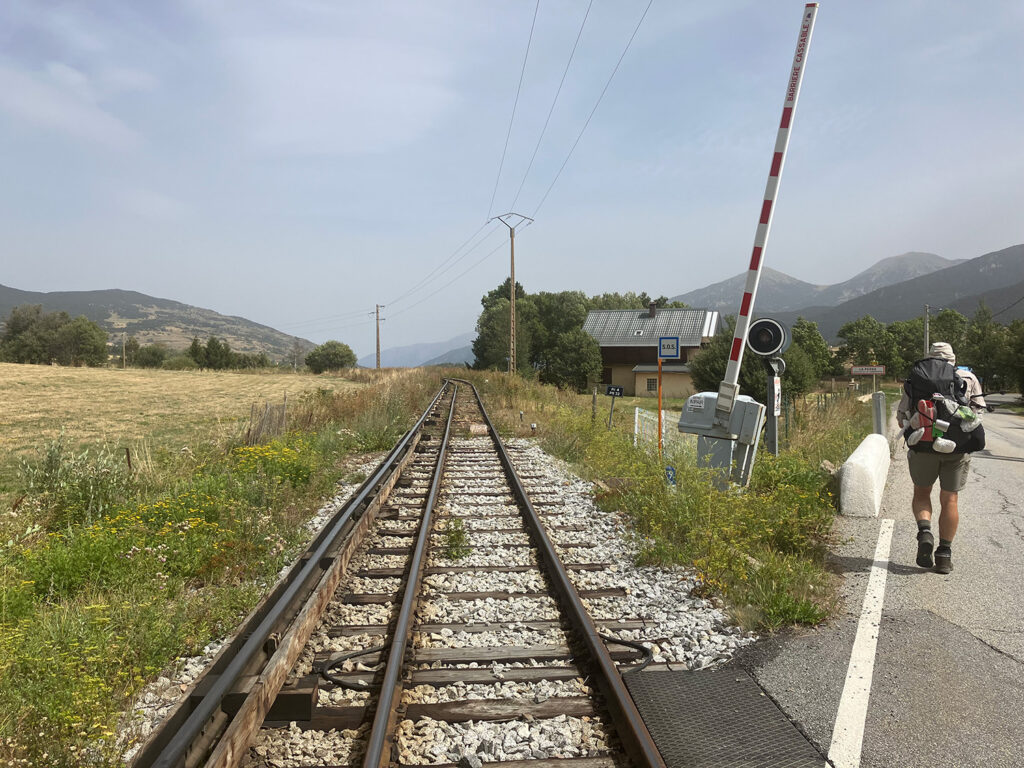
(379,306)
(124,362)
(926,344)
(512,286)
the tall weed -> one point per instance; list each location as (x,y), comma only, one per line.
(76,487)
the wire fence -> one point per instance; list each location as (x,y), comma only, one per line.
(645,429)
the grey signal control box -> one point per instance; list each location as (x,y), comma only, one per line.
(745,423)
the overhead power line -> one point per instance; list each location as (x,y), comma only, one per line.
(462,274)
(327,318)
(515,104)
(1008,306)
(558,92)
(440,269)
(596,105)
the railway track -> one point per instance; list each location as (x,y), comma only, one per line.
(435,620)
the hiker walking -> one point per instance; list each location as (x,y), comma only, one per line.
(940,413)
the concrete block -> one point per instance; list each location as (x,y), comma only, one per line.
(862,478)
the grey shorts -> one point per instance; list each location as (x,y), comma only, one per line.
(950,469)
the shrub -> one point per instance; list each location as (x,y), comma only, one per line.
(181,362)
(151,356)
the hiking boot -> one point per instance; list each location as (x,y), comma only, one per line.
(943,560)
(925,542)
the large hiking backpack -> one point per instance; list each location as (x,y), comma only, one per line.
(941,418)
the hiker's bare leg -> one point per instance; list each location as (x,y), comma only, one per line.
(922,503)
(949,516)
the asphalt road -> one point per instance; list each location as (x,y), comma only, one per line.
(948,682)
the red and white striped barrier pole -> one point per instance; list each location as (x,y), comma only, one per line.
(729,387)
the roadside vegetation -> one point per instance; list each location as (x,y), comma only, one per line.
(763,550)
(108,573)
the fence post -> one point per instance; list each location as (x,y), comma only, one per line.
(593,408)
(636,423)
(878,401)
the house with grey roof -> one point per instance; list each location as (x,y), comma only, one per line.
(628,339)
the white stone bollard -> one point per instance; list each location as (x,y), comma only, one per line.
(862,478)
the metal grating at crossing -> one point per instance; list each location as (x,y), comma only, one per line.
(718,719)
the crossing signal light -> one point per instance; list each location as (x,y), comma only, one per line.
(767,337)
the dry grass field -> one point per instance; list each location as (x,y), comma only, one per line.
(113,406)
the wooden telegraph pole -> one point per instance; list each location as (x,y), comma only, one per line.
(512,287)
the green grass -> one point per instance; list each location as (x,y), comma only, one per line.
(456,543)
(116,573)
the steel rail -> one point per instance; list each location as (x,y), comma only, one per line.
(389,699)
(176,750)
(633,733)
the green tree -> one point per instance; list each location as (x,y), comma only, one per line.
(906,347)
(865,340)
(33,336)
(81,342)
(574,361)
(1015,356)
(553,316)
(131,348)
(984,348)
(490,347)
(151,356)
(218,354)
(800,376)
(948,326)
(807,336)
(330,356)
(492,297)
(197,351)
(30,335)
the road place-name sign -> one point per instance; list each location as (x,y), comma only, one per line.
(868,370)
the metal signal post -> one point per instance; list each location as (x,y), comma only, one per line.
(512,287)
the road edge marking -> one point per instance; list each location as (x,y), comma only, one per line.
(848,731)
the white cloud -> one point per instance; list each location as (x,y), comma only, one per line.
(61,102)
(310,95)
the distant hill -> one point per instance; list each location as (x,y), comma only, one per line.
(454,356)
(413,355)
(996,278)
(153,320)
(779,292)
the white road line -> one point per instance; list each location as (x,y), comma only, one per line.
(848,732)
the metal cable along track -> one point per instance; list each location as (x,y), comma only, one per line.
(203,733)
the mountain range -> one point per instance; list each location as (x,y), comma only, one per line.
(152,320)
(430,353)
(997,279)
(778,292)
(895,288)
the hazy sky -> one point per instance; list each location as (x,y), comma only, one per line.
(297,162)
